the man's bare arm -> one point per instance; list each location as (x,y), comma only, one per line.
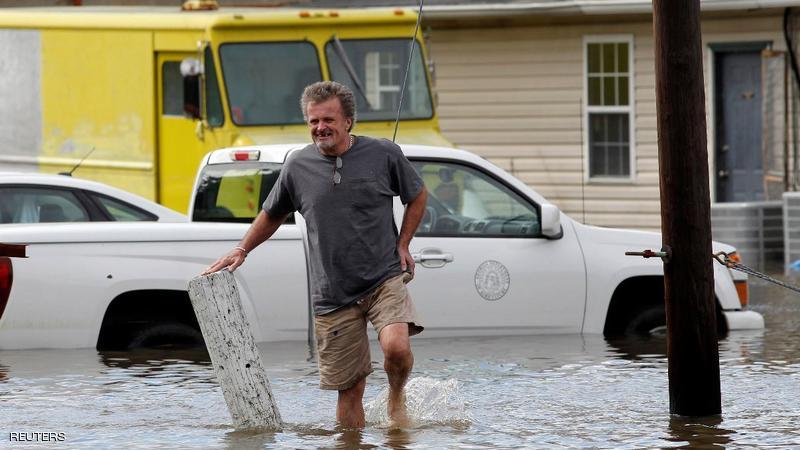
(411,218)
(262,228)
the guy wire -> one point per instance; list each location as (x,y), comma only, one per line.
(408,67)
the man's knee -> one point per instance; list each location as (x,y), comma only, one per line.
(397,353)
(395,343)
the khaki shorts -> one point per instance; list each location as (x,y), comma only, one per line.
(342,342)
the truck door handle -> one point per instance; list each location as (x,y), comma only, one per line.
(432,258)
(723,174)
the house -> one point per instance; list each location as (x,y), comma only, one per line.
(562,94)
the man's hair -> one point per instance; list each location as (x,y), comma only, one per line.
(322,91)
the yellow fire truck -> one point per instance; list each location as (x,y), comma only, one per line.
(150,90)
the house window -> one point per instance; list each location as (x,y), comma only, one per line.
(383,79)
(609,111)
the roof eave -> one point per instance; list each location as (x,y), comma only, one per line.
(585,7)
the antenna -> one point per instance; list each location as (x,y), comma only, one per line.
(69,174)
(408,67)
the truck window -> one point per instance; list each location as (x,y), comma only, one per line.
(380,65)
(172,89)
(264,80)
(466,202)
(213,102)
(234,192)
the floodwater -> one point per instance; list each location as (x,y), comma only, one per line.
(508,392)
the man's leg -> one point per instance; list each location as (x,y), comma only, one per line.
(398,361)
(350,407)
(344,360)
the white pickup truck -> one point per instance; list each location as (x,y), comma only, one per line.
(494,257)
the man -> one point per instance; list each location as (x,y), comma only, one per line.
(343,186)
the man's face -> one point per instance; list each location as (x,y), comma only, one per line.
(328,125)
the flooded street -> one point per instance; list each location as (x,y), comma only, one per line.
(509,392)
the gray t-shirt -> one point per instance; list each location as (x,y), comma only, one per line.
(351,231)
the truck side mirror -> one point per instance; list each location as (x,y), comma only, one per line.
(191,70)
(551,221)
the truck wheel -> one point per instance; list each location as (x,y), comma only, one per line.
(167,335)
(646,322)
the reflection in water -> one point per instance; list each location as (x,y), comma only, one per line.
(352,439)
(398,439)
(638,348)
(699,432)
(153,358)
(173,367)
(746,346)
(248,440)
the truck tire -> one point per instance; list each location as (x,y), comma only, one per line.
(166,335)
(647,321)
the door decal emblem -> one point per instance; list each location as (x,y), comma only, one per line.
(492,280)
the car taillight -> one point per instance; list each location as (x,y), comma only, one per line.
(6,276)
(743,291)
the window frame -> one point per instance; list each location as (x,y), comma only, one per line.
(94,198)
(92,213)
(209,52)
(493,177)
(164,90)
(629,109)
(224,82)
(419,49)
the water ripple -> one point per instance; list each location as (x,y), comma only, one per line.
(472,393)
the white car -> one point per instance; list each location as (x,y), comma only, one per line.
(45,198)
(493,255)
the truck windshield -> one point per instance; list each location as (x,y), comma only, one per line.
(374,69)
(264,80)
(234,192)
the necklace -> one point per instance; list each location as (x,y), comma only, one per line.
(352,140)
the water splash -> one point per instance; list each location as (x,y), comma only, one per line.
(428,401)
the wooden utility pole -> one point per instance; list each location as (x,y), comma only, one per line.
(685,210)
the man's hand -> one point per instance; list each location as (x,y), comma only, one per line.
(411,218)
(232,260)
(406,262)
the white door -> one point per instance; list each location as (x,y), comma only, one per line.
(483,266)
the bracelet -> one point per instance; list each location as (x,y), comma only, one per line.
(242,249)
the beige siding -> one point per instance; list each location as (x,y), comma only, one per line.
(514,96)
